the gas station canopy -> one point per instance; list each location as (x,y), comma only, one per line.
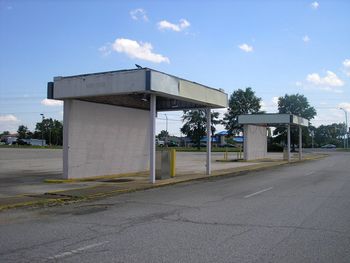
(271,119)
(132,88)
(133,92)
(255,144)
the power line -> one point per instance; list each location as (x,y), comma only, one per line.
(22,98)
(29,112)
(168,119)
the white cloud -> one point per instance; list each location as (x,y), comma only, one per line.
(166,25)
(8,118)
(315,5)
(8,122)
(345,106)
(270,106)
(106,49)
(346,65)
(48,102)
(306,39)
(330,80)
(327,117)
(135,49)
(246,47)
(138,14)
(275,100)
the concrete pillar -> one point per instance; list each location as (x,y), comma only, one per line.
(300,144)
(152,156)
(288,142)
(208,142)
(255,142)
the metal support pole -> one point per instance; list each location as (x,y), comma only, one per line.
(300,143)
(67,107)
(208,142)
(166,129)
(346,136)
(346,132)
(347,129)
(42,129)
(288,142)
(152,147)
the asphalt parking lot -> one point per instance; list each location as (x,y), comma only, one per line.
(292,213)
(23,171)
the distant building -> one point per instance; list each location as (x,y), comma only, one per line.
(9,138)
(35,142)
(222,137)
(12,139)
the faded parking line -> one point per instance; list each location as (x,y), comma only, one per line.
(310,173)
(78,250)
(259,192)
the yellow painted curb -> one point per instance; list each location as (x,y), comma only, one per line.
(38,202)
(94,178)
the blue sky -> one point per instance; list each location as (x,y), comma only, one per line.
(275,47)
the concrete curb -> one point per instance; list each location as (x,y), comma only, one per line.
(106,190)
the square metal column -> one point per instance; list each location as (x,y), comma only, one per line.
(67,105)
(152,146)
(288,142)
(300,143)
(208,166)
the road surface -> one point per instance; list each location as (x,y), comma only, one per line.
(294,213)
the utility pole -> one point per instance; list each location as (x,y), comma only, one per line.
(42,129)
(346,135)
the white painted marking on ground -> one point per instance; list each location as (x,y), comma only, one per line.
(310,173)
(78,250)
(258,192)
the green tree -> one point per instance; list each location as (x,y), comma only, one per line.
(23,132)
(296,104)
(195,122)
(310,138)
(330,134)
(240,102)
(162,135)
(2,138)
(5,133)
(50,130)
(57,132)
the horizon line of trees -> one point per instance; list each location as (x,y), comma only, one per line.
(48,129)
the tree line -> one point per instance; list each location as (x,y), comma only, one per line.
(48,129)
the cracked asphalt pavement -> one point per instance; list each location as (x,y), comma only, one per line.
(293,213)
